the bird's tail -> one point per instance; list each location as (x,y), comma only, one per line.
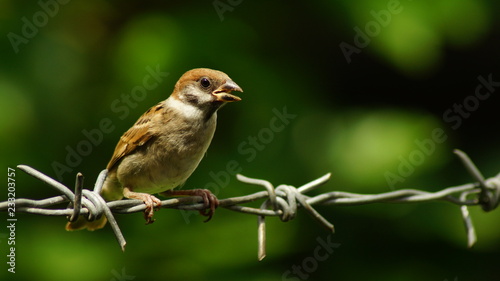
(83,223)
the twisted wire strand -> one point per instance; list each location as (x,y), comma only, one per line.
(283,201)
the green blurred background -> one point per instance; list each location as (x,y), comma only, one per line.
(64,65)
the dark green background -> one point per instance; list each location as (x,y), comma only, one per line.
(357,120)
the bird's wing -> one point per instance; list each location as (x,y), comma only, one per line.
(135,137)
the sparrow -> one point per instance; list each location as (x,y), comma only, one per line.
(166,144)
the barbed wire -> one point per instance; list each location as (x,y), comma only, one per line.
(282,201)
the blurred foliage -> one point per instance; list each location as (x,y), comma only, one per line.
(67,65)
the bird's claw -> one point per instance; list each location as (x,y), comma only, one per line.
(211,202)
(152,203)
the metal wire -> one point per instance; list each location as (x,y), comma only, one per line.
(283,201)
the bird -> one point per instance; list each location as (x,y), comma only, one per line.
(166,144)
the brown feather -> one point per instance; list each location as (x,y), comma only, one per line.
(135,137)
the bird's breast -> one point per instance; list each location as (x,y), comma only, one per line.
(169,159)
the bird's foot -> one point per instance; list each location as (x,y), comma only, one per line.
(210,201)
(149,200)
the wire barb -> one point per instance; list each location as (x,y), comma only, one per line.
(282,201)
(78,198)
(469,227)
(489,196)
(285,205)
(82,198)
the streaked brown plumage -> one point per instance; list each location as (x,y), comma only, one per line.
(166,144)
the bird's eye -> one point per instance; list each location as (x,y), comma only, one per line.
(205,82)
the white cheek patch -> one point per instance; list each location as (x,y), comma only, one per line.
(188,110)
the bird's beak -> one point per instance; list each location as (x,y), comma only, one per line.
(223,93)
